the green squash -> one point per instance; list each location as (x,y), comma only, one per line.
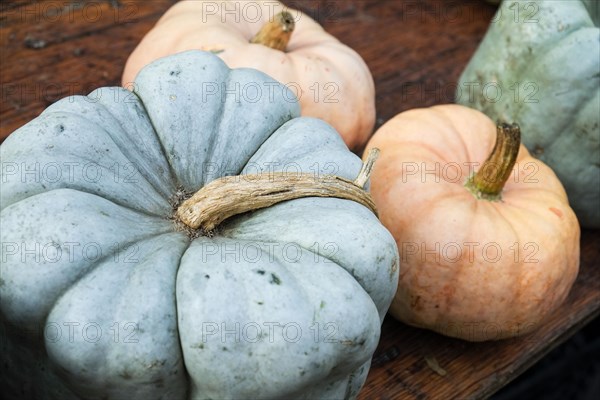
(105,296)
(539,66)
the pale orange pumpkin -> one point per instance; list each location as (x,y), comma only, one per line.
(332,81)
(489,246)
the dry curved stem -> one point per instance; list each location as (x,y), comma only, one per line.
(276,33)
(487,183)
(367,168)
(233,195)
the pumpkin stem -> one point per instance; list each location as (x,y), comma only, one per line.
(367,168)
(233,195)
(276,33)
(487,183)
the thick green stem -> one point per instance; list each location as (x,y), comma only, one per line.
(276,33)
(487,183)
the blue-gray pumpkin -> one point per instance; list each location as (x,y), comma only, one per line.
(104,295)
(539,66)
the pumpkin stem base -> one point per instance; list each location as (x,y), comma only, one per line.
(276,33)
(176,200)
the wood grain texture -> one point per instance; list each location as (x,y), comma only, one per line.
(53,49)
(415,50)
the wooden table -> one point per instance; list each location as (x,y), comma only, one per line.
(416,51)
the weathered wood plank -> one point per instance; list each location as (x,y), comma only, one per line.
(50,50)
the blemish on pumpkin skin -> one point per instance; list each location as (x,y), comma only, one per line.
(125,375)
(414,303)
(393,269)
(556,211)
(275,280)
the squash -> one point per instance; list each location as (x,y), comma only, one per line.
(538,64)
(488,250)
(330,79)
(108,293)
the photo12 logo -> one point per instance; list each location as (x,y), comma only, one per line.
(71,11)
(455,172)
(77,331)
(492,92)
(244,11)
(255,252)
(68,172)
(67,252)
(269,332)
(253,92)
(455,252)
(519,12)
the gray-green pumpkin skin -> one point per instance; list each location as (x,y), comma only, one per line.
(544,56)
(114,302)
